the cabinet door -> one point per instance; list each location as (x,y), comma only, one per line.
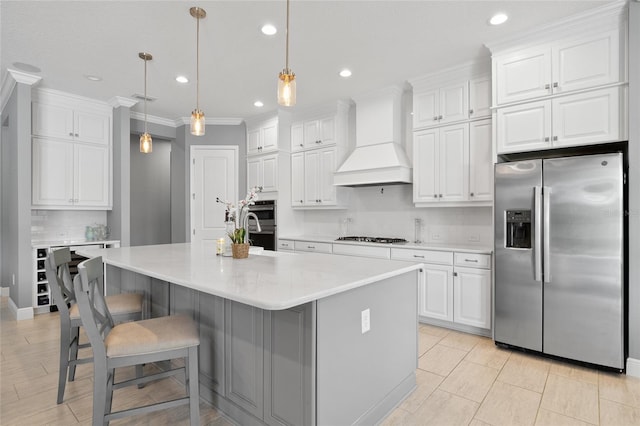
(92,127)
(472,297)
(524,127)
(480,161)
(297,137)
(586,118)
(586,62)
(425,166)
(92,175)
(480,97)
(311,133)
(52,173)
(436,292)
(253,141)
(211,359)
(328,131)
(270,136)
(244,356)
(454,163)
(52,120)
(425,109)
(523,75)
(311,178)
(269,173)
(297,179)
(326,189)
(454,103)
(254,172)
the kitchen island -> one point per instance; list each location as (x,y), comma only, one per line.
(298,339)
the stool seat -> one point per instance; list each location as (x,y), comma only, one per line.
(151,336)
(119,304)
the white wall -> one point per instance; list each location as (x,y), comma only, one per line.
(388,211)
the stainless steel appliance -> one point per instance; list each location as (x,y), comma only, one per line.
(559,257)
(266,212)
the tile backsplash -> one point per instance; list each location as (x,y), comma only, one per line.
(388,211)
(54,225)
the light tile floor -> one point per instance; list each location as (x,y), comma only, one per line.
(462,380)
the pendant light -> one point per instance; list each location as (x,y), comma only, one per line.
(197,116)
(287,79)
(146,143)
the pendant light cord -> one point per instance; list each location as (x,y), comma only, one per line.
(287,41)
(145,95)
(198,64)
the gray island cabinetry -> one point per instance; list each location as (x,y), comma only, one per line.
(286,339)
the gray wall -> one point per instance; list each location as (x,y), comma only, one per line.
(180,155)
(634,180)
(150,193)
(118,218)
(16,196)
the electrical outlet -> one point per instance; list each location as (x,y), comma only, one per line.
(474,238)
(13,279)
(366,320)
(435,236)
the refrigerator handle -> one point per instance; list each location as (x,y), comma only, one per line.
(546,194)
(537,240)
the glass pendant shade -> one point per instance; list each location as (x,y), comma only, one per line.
(197,123)
(146,143)
(287,88)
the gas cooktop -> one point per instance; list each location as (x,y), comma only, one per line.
(381,240)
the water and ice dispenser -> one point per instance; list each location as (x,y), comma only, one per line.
(518,232)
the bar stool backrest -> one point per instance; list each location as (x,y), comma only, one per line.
(57,269)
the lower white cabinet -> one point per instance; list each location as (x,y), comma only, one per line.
(579,119)
(313,246)
(436,292)
(263,171)
(70,175)
(472,297)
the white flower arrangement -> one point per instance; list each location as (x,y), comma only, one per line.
(237,213)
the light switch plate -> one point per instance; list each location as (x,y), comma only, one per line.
(366,320)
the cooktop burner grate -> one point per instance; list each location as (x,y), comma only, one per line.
(381,240)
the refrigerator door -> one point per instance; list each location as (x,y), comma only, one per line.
(583,270)
(518,287)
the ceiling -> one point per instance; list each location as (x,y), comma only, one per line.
(382,42)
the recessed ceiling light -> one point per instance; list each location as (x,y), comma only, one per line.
(269,29)
(259,104)
(182,79)
(498,18)
(92,77)
(26,67)
(345,73)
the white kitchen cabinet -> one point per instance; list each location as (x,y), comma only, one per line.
(577,119)
(560,67)
(472,297)
(480,161)
(440,169)
(61,117)
(312,179)
(436,292)
(362,251)
(443,105)
(286,245)
(480,97)
(262,137)
(313,133)
(70,175)
(297,179)
(313,246)
(262,171)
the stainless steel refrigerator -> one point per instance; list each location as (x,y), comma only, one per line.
(559,254)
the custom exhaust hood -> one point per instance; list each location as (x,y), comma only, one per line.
(378,157)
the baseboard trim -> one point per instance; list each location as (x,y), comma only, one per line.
(20,313)
(4,291)
(633,367)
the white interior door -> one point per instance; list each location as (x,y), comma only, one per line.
(214,174)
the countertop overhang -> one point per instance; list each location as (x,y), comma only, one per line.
(268,280)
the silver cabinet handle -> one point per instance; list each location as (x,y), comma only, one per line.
(70,133)
(419,256)
(301,145)
(435,195)
(471,260)
(546,86)
(439,117)
(555,84)
(546,139)
(311,247)
(455,274)
(471,194)
(471,111)
(77,135)
(435,118)
(555,138)
(440,195)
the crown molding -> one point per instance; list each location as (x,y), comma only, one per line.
(465,71)
(11,78)
(135,115)
(118,101)
(212,121)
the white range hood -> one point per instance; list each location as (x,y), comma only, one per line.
(378,157)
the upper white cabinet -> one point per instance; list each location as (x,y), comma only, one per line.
(440,106)
(452,164)
(480,97)
(560,67)
(313,133)
(262,137)
(71,152)
(312,178)
(262,170)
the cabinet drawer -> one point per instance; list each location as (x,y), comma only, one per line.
(473,260)
(313,246)
(427,256)
(285,245)
(363,251)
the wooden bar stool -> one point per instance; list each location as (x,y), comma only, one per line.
(124,307)
(133,343)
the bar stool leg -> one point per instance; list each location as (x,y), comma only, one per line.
(192,379)
(73,351)
(64,362)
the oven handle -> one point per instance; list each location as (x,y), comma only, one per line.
(263,232)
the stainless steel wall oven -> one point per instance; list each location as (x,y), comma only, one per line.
(266,212)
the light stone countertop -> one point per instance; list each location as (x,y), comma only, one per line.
(467,248)
(267,280)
